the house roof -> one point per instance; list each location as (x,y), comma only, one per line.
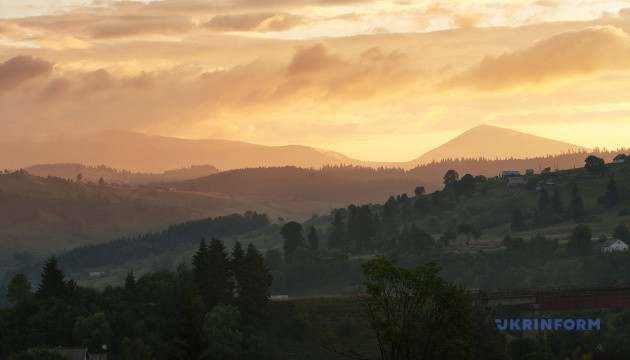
(609,242)
(516,180)
(510,173)
(620,156)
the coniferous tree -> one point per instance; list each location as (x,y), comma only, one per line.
(611,198)
(313,238)
(237,264)
(390,226)
(337,233)
(576,207)
(130,287)
(212,273)
(255,289)
(291,232)
(53,282)
(220,274)
(556,202)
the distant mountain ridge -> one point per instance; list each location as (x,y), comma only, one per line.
(144,153)
(493,142)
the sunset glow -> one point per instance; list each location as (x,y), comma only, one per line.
(374,80)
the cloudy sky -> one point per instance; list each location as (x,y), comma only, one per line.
(375,80)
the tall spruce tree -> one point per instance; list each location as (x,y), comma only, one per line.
(256,282)
(611,198)
(556,202)
(53,282)
(131,292)
(576,206)
(238,256)
(337,232)
(213,274)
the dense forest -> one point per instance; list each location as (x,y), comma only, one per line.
(348,183)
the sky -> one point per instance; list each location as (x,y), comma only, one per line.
(374,80)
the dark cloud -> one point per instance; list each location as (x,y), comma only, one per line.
(21,68)
(260,22)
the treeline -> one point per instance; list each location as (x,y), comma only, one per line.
(121,250)
(339,185)
(348,183)
(120,177)
(216,309)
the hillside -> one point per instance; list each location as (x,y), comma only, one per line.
(114,176)
(45,215)
(492,142)
(359,184)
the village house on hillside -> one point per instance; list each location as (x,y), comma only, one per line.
(509,173)
(516,181)
(621,159)
(529,172)
(614,244)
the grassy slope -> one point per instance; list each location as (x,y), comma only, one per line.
(48,227)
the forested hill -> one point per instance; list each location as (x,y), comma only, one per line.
(111,175)
(358,184)
(179,236)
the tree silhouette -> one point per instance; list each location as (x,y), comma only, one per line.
(518,223)
(291,232)
(576,206)
(337,232)
(611,198)
(53,282)
(556,202)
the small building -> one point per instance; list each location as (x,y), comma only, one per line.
(550,182)
(516,181)
(546,170)
(541,185)
(278,297)
(614,244)
(96,273)
(620,159)
(509,173)
(529,172)
(585,176)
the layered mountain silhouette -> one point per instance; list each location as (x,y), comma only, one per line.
(138,152)
(492,142)
(155,154)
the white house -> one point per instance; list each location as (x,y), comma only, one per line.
(614,244)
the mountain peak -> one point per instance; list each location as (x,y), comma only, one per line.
(494,142)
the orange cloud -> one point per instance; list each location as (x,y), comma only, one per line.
(312,59)
(558,57)
(467,20)
(260,22)
(21,68)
